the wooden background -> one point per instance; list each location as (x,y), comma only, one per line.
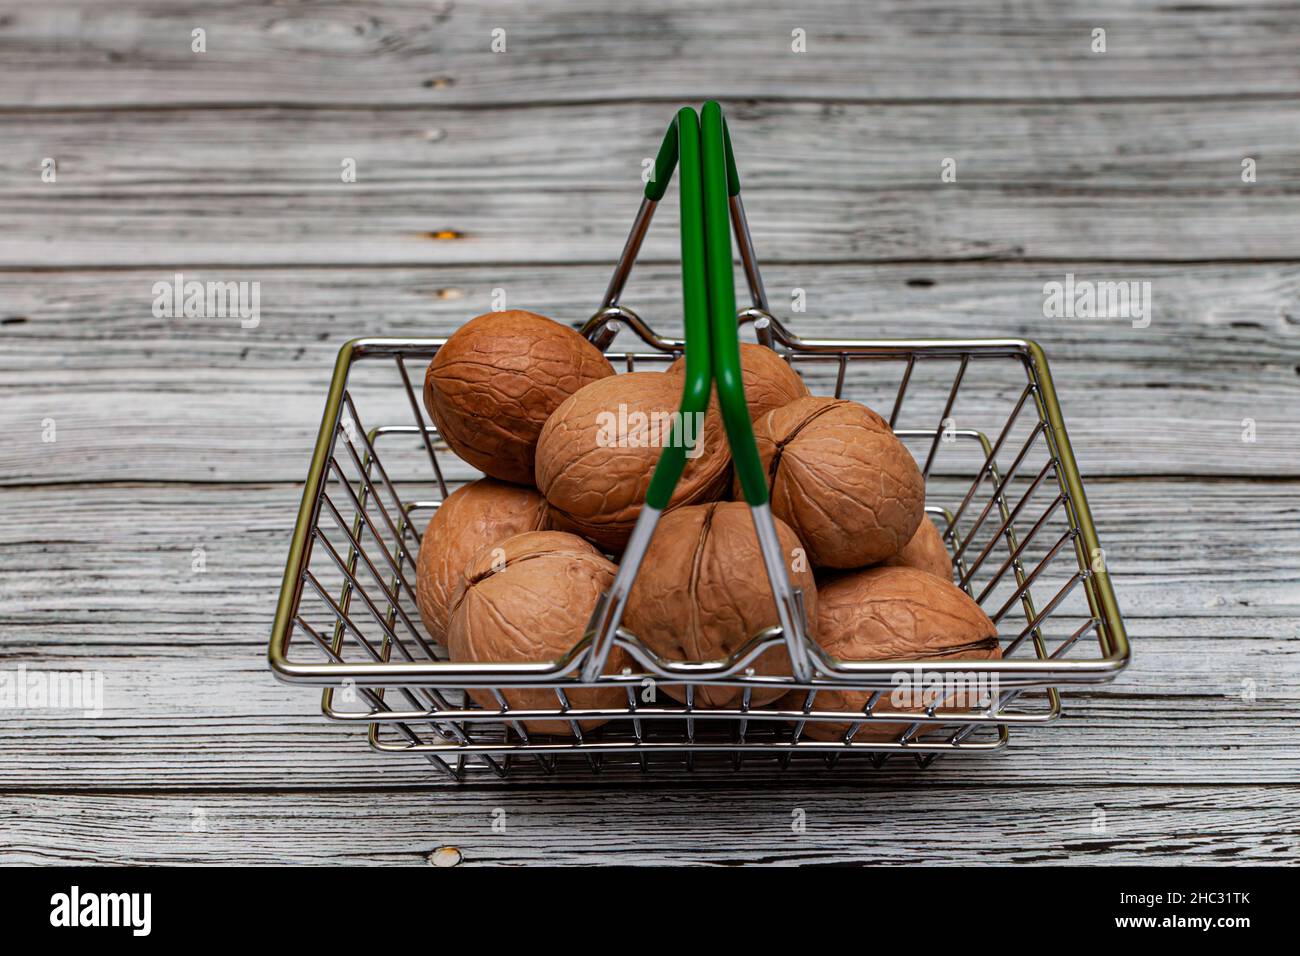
(174,434)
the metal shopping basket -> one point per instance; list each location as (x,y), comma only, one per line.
(980,415)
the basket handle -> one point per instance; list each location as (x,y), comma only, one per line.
(695,309)
(733,174)
(708,178)
(712,340)
(665,161)
(681,144)
(720,177)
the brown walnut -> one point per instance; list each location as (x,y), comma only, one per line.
(529,598)
(882,614)
(597,452)
(925,552)
(474,516)
(494,383)
(769,380)
(841,479)
(703,592)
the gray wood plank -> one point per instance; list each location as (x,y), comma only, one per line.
(1190,559)
(139,398)
(102,579)
(853,182)
(346,226)
(236,734)
(138,52)
(478,172)
(1205,315)
(1127,148)
(729,824)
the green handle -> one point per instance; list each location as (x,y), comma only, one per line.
(695,306)
(733,174)
(665,160)
(708,179)
(722,307)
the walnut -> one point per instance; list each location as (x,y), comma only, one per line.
(474,516)
(841,479)
(703,592)
(598,450)
(925,552)
(529,598)
(769,380)
(494,383)
(881,614)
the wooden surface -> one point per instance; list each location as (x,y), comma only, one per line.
(174,434)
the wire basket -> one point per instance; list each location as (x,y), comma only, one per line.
(982,419)
(1005,486)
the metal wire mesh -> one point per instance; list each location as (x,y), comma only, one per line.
(979,416)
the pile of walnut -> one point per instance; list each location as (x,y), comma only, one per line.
(511,565)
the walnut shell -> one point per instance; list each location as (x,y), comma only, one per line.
(598,451)
(494,383)
(925,552)
(531,601)
(881,614)
(841,479)
(769,380)
(474,516)
(702,593)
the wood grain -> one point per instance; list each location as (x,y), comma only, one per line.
(140,398)
(519,172)
(104,581)
(133,52)
(1144,148)
(214,718)
(119,555)
(345,226)
(722,825)
(823,183)
(224,724)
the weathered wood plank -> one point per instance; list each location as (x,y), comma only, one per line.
(851,182)
(139,53)
(213,738)
(1189,559)
(1205,316)
(103,580)
(1185,148)
(1176,825)
(221,163)
(135,397)
(347,226)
